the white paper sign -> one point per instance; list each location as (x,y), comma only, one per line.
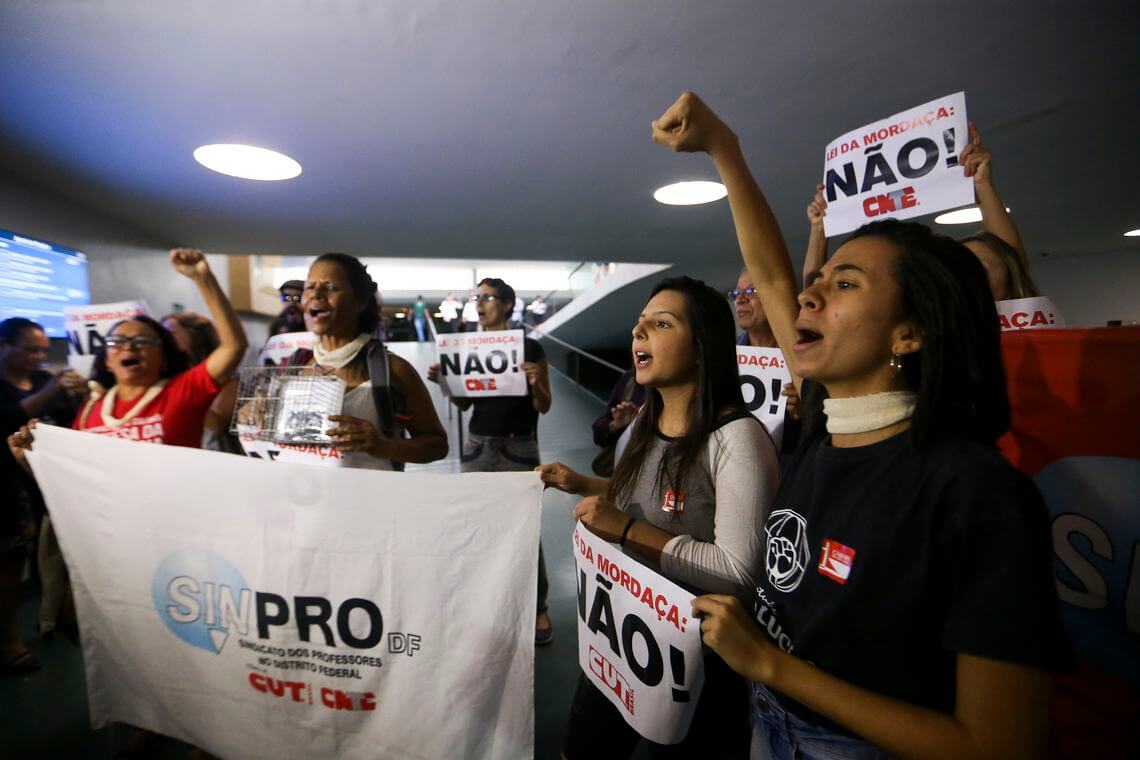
(87,326)
(280,347)
(482,364)
(286,611)
(763,375)
(1028,314)
(902,166)
(636,640)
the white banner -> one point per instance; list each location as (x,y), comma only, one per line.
(902,166)
(1028,314)
(636,640)
(763,375)
(283,345)
(87,326)
(286,611)
(482,364)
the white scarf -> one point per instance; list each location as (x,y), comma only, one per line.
(340,357)
(863,414)
(109,418)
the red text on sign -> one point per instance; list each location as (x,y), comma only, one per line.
(604,669)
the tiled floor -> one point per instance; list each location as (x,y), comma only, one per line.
(45,715)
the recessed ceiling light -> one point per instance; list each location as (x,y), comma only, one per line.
(1132,233)
(247,162)
(690,193)
(968,215)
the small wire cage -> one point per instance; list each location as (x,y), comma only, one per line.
(286,404)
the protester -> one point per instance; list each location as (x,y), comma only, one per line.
(816,255)
(517,314)
(750,316)
(195,335)
(449,309)
(145,390)
(931,620)
(419,318)
(999,245)
(387,418)
(471,313)
(688,497)
(755,331)
(27,391)
(625,399)
(290,319)
(503,433)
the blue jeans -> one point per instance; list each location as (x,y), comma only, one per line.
(421,328)
(779,735)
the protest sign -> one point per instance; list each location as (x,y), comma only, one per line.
(280,347)
(286,611)
(482,364)
(1028,314)
(87,326)
(636,640)
(902,166)
(1075,402)
(763,375)
(320,454)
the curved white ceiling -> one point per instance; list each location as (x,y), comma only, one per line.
(521,130)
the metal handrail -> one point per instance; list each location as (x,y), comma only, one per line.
(569,289)
(587,354)
(450,406)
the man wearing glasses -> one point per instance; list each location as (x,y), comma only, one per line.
(750,315)
(291,318)
(755,331)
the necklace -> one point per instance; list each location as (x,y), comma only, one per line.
(108,409)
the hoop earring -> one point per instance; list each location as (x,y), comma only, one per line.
(896,365)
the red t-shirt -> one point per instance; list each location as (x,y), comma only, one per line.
(174,417)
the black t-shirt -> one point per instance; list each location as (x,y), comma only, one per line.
(883,562)
(508,415)
(60,410)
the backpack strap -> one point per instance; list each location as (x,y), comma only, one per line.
(391,405)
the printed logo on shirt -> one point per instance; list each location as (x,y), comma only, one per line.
(674,502)
(143,429)
(786,553)
(835,560)
(765,613)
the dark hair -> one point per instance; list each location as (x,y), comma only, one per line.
(203,335)
(504,291)
(958,373)
(362,286)
(717,388)
(12,327)
(174,361)
(1021,285)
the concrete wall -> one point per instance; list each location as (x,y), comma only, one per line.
(1092,289)
(125,263)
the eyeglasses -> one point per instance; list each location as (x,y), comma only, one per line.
(294,299)
(737,293)
(485,298)
(138,343)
